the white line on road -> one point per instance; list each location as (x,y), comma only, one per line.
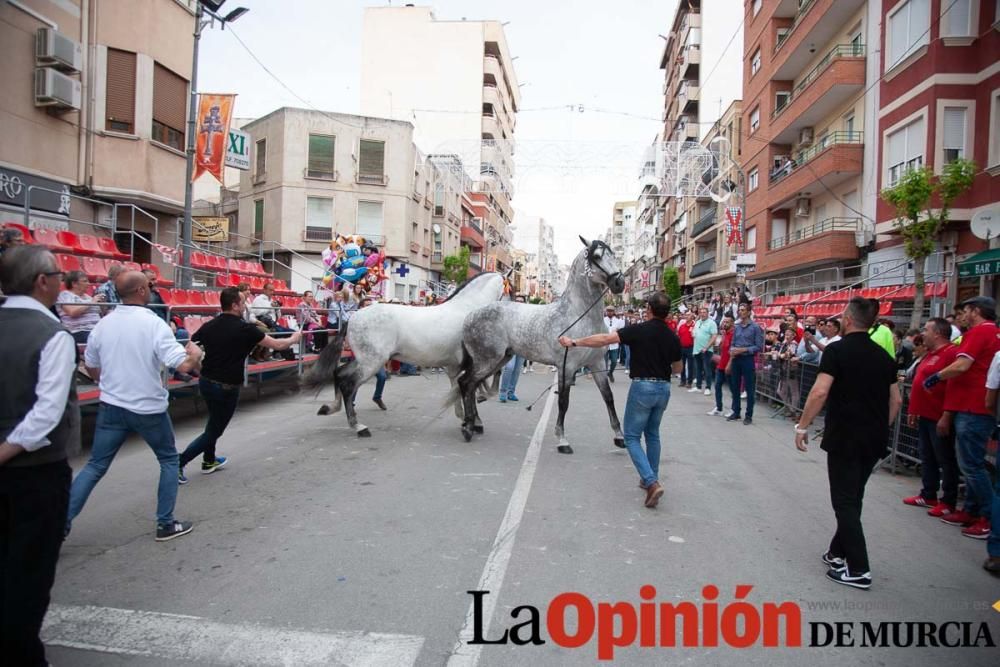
(203,641)
(464,655)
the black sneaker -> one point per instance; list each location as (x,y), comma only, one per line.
(844,576)
(747,421)
(835,562)
(173,529)
(733,418)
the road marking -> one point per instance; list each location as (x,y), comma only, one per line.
(464,655)
(203,641)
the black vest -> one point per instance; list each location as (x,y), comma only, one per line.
(23,335)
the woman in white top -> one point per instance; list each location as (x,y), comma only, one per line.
(75,306)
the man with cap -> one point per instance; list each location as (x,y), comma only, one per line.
(965,405)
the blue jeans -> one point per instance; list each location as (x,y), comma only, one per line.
(972,432)
(703,368)
(720,379)
(379,384)
(508,379)
(611,361)
(687,370)
(937,463)
(743,375)
(221,404)
(626,357)
(643,411)
(993,541)
(114,424)
(407,369)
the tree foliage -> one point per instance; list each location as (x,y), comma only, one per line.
(456,267)
(672,283)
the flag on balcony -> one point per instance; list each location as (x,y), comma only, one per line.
(214,114)
(734,229)
(645,279)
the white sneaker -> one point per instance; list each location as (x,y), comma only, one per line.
(708,392)
(693,389)
(713,412)
(729,413)
(743,394)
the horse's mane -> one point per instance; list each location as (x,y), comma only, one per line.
(465,284)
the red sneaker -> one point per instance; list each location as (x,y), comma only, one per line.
(980,530)
(919,501)
(941,509)
(959,518)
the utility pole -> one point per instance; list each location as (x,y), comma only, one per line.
(185,235)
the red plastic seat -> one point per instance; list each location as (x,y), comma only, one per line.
(256,283)
(90,245)
(193,322)
(160,280)
(110,248)
(50,239)
(95,268)
(258,268)
(73,241)
(25,232)
(132,266)
(68,263)
(180,297)
(212,298)
(885,308)
(233,265)
(167,295)
(196,297)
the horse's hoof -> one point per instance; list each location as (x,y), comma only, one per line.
(364,433)
(467,434)
(323,410)
(564,449)
(620,443)
(478,429)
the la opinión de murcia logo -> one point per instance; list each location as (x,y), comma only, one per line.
(11,186)
(736,623)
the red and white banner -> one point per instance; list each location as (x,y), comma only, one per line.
(214,114)
(169,254)
(644,277)
(734,226)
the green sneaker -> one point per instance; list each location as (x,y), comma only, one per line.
(209,468)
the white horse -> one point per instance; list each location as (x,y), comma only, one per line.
(428,336)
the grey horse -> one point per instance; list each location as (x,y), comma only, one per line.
(493,334)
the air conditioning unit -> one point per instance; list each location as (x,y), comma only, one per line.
(803,207)
(806,136)
(53,49)
(56,90)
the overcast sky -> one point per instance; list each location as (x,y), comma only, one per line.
(571,166)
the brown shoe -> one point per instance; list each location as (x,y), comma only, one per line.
(992,564)
(378,402)
(653,494)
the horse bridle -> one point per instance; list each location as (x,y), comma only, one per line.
(590,266)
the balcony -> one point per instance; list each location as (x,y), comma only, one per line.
(492,96)
(837,77)
(690,61)
(823,227)
(815,22)
(835,158)
(687,96)
(703,267)
(705,222)
(687,131)
(491,65)
(472,235)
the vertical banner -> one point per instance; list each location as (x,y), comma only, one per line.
(214,114)
(734,218)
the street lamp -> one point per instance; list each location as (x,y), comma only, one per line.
(211,9)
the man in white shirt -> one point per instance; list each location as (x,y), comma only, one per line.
(126,353)
(830,333)
(39,428)
(613,322)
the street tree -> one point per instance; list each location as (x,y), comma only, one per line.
(919,222)
(672,284)
(456,267)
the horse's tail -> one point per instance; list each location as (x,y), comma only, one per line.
(327,366)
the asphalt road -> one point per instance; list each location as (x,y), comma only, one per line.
(315,546)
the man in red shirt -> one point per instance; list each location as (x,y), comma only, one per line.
(725,342)
(965,399)
(685,331)
(937,447)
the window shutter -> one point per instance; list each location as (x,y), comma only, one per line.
(954,127)
(319,212)
(920,17)
(956,23)
(372,162)
(120,98)
(915,138)
(321,155)
(369,218)
(169,98)
(899,34)
(896,148)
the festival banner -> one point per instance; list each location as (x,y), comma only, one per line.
(734,227)
(214,114)
(169,254)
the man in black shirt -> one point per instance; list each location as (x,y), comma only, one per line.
(857,381)
(656,356)
(227,340)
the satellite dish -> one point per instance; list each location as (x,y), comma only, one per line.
(436,227)
(986,223)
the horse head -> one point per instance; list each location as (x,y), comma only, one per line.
(602,266)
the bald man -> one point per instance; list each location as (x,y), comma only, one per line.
(125,354)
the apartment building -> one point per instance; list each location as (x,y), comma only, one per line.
(806,135)
(536,238)
(621,233)
(94,116)
(318,174)
(709,255)
(939,99)
(455,81)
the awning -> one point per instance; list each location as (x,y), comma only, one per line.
(986,263)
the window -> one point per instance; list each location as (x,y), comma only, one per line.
(319,218)
(957,18)
(781,99)
(908,30)
(320,156)
(261,156)
(953,142)
(756,6)
(369,218)
(750,241)
(753,179)
(754,120)
(993,157)
(371,165)
(849,123)
(780,35)
(755,62)
(169,105)
(119,101)
(258,219)
(905,150)
(438,199)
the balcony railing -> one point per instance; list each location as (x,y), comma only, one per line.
(706,220)
(809,154)
(822,227)
(803,10)
(837,52)
(703,267)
